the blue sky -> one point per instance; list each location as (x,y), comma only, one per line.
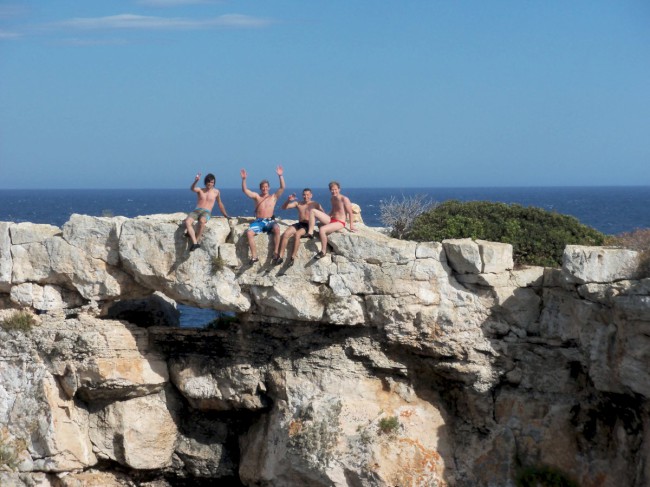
(145,93)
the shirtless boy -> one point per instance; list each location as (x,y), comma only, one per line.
(333,222)
(264,206)
(206,197)
(297,229)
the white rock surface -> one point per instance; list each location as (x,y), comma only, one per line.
(599,264)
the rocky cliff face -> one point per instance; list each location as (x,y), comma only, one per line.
(387,363)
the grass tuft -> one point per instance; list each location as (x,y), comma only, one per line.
(389,425)
(21,321)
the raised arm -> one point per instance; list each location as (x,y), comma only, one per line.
(246,191)
(280,172)
(196,180)
(290,203)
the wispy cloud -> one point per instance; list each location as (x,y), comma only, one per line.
(5,34)
(79,42)
(174,3)
(12,10)
(143,22)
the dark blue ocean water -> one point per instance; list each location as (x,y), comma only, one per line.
(610,210)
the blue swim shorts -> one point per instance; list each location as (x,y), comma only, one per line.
(197,213)
(260,225)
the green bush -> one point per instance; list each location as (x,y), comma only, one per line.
(538,237)
(389,425)
(22,321)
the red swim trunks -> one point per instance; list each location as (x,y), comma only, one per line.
(334,220)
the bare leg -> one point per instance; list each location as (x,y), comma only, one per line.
(202,223)
(324,231)
(276,240)
(313,215)
(296,242)
(250,234)
(189,222)
(288,233)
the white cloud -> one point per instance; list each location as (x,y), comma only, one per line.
(174,3)
(93,42)
(12,10)
(5,34)
(143,22)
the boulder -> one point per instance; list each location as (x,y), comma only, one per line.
(218,386)
(599,264)
(96,236)
(6,263)
(463,255)
(139,433)
(496,257)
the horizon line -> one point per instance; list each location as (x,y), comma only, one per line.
(346,187)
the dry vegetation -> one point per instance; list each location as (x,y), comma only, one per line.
(638,240)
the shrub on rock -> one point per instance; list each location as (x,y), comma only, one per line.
(538,237)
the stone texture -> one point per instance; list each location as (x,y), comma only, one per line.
(96,236)
(139,433)
(496,257)
(327,430)
(26,233)
(154,250)
(463,255)
(472,368)
(214,385)
(599,264)
(103,359)
(6,262)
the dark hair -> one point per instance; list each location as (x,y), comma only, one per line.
(264,181)
(209,177)
(307,189)
(336,183)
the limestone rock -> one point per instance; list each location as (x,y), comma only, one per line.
(286,300)
(26,233)
(103,359)
(495,256)
(329,427)
(599,264)
(44,298)
(201,448)
(96,236)
(385,363)
(139,433)
(155,252)
(208,385)
(464,255)
(371,247)
(40,418)
(356,213)
(6,262)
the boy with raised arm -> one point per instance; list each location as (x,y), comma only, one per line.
(264,206)
(333,222)
(206,197)
(297,229)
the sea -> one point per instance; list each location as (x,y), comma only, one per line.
(611,210)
